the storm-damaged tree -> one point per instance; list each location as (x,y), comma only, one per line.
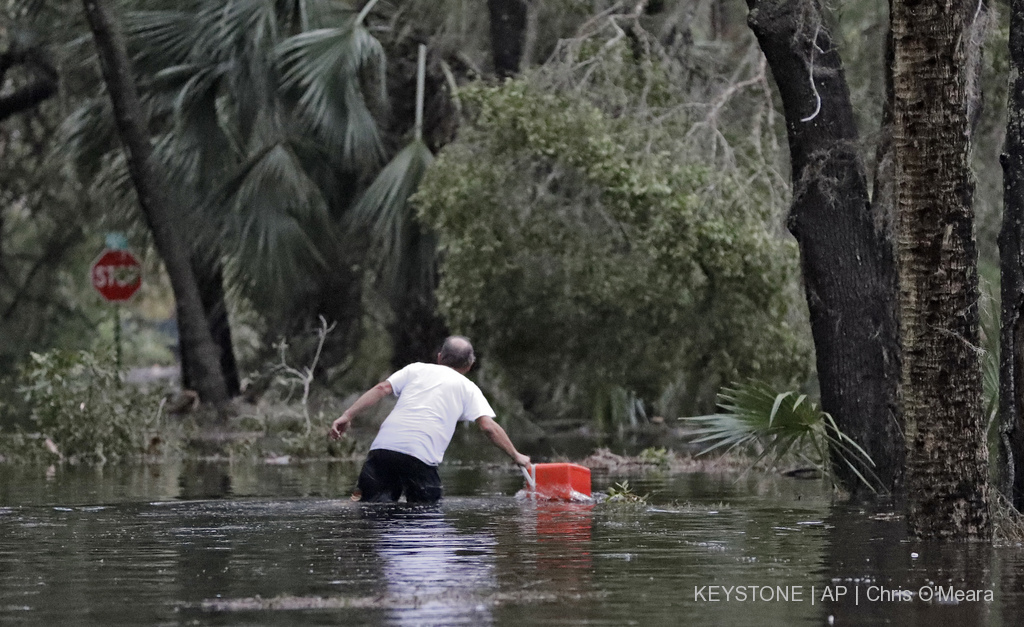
(947,458)
(845,252)
(194,334)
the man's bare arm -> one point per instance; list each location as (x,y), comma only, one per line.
(369,398)
(500,439)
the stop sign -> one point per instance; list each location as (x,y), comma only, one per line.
(116,275)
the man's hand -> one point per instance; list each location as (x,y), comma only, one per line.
(340,426)
(368,399)
(523,460)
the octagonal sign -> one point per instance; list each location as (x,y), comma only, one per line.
(116,275)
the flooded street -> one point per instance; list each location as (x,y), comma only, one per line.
(258,544)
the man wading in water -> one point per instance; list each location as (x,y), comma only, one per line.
(432,398)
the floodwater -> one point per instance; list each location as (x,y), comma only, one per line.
(265,545)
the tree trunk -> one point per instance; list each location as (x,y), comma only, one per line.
(947,459)
(508,34)
(881,193)
(193,332)
(417,329)
(210,278)
(847,262)
(1011,266)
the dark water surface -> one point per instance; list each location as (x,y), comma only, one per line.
(258,544)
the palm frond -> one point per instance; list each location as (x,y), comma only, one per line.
(161,39)
(325,68)
(781,423)
(277,212)
(385,211)
(231,24)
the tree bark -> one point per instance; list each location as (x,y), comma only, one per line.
(210,278)
(193,332)
(847,263)
(881,194)
(1011,268)
(508,34)
(947,458)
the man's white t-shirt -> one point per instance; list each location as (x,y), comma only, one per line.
(432,399)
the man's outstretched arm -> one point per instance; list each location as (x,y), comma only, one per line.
(500,439)
(369,398)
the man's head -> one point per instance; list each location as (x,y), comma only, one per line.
(457,353)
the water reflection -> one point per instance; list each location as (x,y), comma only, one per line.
(205,480)
(890,578)
(563,535)
(434,574)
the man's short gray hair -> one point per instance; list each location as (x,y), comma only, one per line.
(457,353)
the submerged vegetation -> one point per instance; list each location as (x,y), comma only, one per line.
(82,412)
(622,492)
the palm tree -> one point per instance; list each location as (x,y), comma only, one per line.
(269,127)
(264,128)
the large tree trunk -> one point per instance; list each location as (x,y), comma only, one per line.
(847,263)
(1011,266)
(210,278)
(947,459)
(193,332)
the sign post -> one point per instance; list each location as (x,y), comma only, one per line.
(117,275)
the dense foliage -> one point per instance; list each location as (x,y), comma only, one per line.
(610,222)
(586,254)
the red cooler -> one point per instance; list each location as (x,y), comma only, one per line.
(563,482)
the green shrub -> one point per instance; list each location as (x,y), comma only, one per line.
(583,259)
(79,405)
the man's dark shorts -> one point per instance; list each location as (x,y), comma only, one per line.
(387,475)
